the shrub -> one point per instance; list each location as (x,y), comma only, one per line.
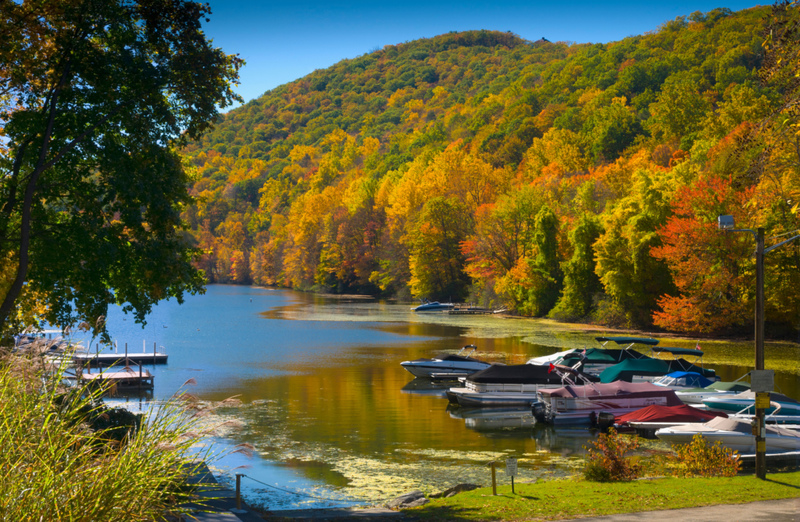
(65,458)
(700,458)
(607,460)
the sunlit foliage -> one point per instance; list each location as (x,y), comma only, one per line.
(549,178)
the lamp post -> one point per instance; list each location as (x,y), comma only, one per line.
(761,381)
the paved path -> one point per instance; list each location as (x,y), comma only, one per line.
(787,510)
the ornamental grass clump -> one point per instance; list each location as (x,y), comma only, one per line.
(60,463)
(607,459)
(701,458)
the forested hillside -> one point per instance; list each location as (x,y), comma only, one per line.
(576,181)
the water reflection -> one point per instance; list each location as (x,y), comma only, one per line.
(424,386)
(491,420)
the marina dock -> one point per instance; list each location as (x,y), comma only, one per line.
(473,310)
(125,378)
(117,359)
(99,359)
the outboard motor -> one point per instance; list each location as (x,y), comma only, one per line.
(539,411)
(605,420)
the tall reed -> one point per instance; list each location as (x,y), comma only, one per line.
(53,466)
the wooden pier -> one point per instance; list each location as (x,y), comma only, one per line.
(125,378)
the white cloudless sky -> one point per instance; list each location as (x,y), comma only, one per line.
(282,41)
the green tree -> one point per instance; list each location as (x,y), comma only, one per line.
(95,96)
(534,284)
(581,283)
(631,277)
(546,263)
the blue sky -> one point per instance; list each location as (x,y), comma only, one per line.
(282,41)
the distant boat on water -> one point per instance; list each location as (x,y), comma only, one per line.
(433,306)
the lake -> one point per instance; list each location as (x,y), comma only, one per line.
(334,418)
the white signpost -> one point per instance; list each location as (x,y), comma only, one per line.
(511,469)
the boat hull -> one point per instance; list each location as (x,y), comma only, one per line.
(741,442)
(430,367)
(732,404)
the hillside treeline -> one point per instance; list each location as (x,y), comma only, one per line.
(576,181)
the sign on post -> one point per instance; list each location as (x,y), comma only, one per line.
(762,380)
(511,467)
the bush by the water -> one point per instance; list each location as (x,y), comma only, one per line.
(701,458)
(65,458)
(608,461)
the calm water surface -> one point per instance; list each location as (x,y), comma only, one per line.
(331,413)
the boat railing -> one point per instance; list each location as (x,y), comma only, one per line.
(469,346)
(743,411)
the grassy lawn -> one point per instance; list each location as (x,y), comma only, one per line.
(573,498)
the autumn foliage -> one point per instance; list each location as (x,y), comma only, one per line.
(577,181)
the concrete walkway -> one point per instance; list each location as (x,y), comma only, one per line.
(787,510)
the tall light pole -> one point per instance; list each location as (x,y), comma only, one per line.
(760,380)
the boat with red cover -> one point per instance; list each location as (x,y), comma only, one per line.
(647,420)
(581,405)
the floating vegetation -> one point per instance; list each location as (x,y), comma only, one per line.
(373,478)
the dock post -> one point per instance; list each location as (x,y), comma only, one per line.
(154,352)
(239,491)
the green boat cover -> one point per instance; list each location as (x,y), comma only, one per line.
(678,351)
(630,368)
(628,340)
(601,356)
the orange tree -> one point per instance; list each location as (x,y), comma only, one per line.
(712,271)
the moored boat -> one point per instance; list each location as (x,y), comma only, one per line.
(715,389)
(744,402)
(647,420)
(451,365)
(595,360)
(733,433)
(433,306)
(649,370)
(581,405)
(513,385)
(683,380)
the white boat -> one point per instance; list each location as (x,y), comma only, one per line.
(510,386)
(582,405)
(433,306)
(553,358)
(716,389)
(451,365)
(733,433)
